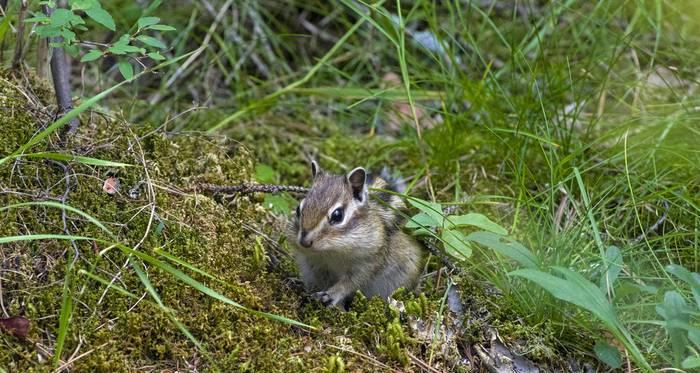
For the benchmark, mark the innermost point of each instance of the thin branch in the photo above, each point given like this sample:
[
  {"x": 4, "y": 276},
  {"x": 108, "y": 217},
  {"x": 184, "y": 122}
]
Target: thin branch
[
  {"x": 19, "y": 46},
  {"x": 247, "y": 188},
  {"x": 60, "y": 73}
]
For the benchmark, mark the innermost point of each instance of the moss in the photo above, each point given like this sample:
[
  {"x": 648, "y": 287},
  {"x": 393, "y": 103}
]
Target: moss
[{"x": 232, "y": 240}]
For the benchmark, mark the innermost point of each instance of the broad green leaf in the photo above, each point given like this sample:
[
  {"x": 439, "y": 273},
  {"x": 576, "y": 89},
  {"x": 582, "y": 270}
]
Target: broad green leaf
[
  {"x": 265, "y": 173},
  {"x": 421, "y": 220},
  {"x": 279, "y": 203},
  {"x": 153, "y": 42},
  {"x": 690, "y": 278},
  {"x": 674, "y": 309},
  {"x": 147, "y": 21},
  {"x": 613, "y": 265},
  {"x": 63, "y": 18},
  {"x": 161, "y": 28},
  {"x": 506, "y": 246},
  {"x": 83, "y": 4},
  {"x": 101, "y": 16},
  {"x": 433, "y": 209},
  {"x": 76, "y": 158},
  {"x": 91, "y": 55},
  {"x": 456, "y": 244},
  {"x": 574, "y": 289},
  {"x": 155, "y": 56},
  {"x": 125, "y": 69},
  {"x": 608, "y": 354},
  {"x": 39, "y": 18},
  {"x": 479, "y": 221},
  {"x": 691, "y": 362},
  {"x": 122, "y": 46}
]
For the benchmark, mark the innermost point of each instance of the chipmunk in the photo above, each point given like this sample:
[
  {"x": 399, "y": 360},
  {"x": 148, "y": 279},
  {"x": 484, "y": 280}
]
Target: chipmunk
[{"x": 345, "y": 241}]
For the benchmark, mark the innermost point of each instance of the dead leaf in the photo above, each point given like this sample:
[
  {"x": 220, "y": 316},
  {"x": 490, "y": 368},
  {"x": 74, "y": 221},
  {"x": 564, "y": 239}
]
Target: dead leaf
[
  {"x": 111, "y": 185},
  {"x": 17, "y": 326}
]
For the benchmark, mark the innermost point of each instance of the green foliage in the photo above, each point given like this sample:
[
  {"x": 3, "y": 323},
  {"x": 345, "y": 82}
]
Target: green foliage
[
  {"x": 135, "y": 44},
  {"x": 574, "y": 288},
  {"x": 608, "y": 354}
]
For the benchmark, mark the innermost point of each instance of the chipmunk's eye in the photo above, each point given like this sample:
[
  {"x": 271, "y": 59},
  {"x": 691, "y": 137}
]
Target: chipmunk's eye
[
  {"x": 336, "y": 216},
  {"x": 298, "y": 211}
]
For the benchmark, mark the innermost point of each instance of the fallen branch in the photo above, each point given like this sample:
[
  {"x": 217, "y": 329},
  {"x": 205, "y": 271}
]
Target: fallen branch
[{"x": 248, "y": 188}]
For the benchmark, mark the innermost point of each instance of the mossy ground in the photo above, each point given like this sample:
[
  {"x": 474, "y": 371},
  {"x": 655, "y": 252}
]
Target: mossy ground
[{"x": 154, "y": 209}]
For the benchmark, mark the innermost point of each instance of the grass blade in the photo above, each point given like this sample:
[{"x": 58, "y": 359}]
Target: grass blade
[
  {"x": 76, "y": 158},
  {"x": 62, "y": 206}
]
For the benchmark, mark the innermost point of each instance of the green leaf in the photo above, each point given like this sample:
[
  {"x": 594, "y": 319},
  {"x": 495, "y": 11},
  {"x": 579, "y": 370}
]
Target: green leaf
[
  {"x": 432, "y": 209},
  {"x": 608, "y": 354},
  {"x": 122, "y": 46},
  {"x": 76, "y": 111},
  {"x": 574, "y": 289},
  {"x": 613, "y": 264},
  {"x": 479, "y": 221},
  {"x": 101, "y": 16},
  {"x": 204, "y": 289},
  {"x": 125, "y": 69},
  {"x": 421, "y": 220},
  {"x": 456, "y": 244},
  {"x": 690, "y": 278},
  {"x": 39, "y": 237},
  {"x": 63, "y": 18},
  {"x": 265, "y": 173},
  {"x": 280, "y": 203},
  {"x": 39, "y": 18},
  {"x": 91, "y": 55},
  {"x": 61, "y": 206},
  {"x": 83, "y": 4},
  {"x": 691, "y": 362},
  {"x": 674, "y": 308},
  {"x": 155, "y": 56},
  {"x": 153, "y": 42},
  {"x": 507, "y": 247},
  {"x": 76, "y": 158},
  {"x": 147, "y": 21},
  {"x": 64, "y": 315},
  {"x": 161, "y": 28}
]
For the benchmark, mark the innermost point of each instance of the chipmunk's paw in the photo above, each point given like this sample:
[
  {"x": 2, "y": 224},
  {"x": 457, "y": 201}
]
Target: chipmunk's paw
[
  {"x": 324, "y": 298},
  {"x": 328, "y": 299}
]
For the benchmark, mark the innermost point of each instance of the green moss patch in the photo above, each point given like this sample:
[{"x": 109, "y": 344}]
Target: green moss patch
[{"x": 231, "y": 240}]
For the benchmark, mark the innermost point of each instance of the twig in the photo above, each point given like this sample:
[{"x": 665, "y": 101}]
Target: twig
[
  {"x": 60, "y": 73},
  {"x": 19, "y": 46},
  {"x": 247, "y": 188},
  {"x": 656, "y": 225}
]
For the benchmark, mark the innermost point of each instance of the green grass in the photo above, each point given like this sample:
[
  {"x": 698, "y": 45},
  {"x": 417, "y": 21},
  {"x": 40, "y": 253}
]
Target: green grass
[{"x": 574, "y": 124}]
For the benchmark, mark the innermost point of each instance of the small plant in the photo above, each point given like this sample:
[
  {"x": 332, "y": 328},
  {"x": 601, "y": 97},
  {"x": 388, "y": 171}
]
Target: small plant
[
  {"x": 65, "y": 26},
  {"x": 449, "y": 230}
]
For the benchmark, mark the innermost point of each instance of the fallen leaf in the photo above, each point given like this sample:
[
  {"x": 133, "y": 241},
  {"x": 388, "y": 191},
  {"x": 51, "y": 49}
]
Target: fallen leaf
[
  {"x": 17, "y": 326},
  {"x": 111, "y": 185}
]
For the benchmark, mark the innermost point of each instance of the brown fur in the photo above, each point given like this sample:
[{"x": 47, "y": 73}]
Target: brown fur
[{"x": 367, "y": 251}]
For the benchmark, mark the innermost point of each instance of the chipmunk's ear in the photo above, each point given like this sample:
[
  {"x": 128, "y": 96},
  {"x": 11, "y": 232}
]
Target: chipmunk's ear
[
  {"x": 356, "y": 178},
  {"x": 315, "y": 169}
]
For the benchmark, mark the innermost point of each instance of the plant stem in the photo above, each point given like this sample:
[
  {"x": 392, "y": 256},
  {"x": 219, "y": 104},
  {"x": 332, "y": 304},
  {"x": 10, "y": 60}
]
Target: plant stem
[{"x": 60, "y": 74}]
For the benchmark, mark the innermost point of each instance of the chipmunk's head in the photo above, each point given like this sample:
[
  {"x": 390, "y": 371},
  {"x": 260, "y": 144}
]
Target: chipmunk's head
[{"x": 333, "y": 215}]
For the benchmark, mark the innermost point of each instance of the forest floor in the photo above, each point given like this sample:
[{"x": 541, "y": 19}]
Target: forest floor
[{"x": 572, "y": 125}]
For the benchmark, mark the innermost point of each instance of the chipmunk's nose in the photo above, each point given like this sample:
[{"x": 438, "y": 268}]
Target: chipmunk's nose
[{"x": 304, "y": 241}]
